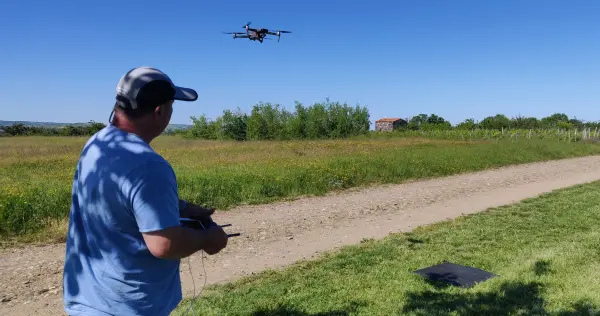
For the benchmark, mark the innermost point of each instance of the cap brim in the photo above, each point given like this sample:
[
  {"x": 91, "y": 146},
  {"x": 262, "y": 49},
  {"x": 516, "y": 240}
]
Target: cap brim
[{"x": 185, "y": 94}]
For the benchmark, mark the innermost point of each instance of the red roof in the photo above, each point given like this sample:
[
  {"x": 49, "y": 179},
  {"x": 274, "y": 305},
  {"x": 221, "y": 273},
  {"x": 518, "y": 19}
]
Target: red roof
[{"x": 388, "y": 120}]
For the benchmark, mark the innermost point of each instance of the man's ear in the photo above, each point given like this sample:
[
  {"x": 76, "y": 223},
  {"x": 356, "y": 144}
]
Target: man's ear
[{"x": 158, "y": 110}]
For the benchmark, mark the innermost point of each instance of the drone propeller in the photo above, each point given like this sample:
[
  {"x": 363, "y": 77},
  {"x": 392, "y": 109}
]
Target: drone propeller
[
  {"x": 237, "y": 34},
  {"x": 278, "y": 34}
]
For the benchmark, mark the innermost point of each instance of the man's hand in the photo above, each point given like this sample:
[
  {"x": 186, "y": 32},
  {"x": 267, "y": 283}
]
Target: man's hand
[
  {"x": 214, "y": 234},
  {"x": 195, "y": 211},
  {"x": 216, "y": 240}
]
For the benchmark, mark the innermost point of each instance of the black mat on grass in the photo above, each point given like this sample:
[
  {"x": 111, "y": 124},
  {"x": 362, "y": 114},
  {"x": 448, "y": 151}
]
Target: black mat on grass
[{"x": 454, "y": 274}]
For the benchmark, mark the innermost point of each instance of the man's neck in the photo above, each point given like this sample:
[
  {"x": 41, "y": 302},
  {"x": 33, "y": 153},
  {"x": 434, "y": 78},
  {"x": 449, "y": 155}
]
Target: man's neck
[{"x": 130, "y": 127}]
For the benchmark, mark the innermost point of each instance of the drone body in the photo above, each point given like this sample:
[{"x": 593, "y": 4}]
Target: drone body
[{"x": 256, "y": 34}]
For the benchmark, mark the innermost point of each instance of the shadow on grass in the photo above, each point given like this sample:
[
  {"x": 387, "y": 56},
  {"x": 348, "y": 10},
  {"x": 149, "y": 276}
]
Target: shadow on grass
[
  {"x": 541, "y": 267},
  {"x": 281, "y": 310},
  {"x": 511, "y": 298},
  {"x": 579, "y": 309}
]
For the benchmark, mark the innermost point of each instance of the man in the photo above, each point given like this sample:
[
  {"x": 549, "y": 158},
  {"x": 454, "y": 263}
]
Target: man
[{"x": 125, "y": 240}]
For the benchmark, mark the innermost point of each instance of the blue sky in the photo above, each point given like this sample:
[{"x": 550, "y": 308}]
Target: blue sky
[{"x": 459, "y": 59}]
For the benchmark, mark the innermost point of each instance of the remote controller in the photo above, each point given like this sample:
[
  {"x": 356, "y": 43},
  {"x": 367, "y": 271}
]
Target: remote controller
[{"x": 203, "y": 223}]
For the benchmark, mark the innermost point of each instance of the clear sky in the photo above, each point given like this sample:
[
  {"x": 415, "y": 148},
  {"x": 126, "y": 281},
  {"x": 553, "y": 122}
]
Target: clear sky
[{"x": 61, "y": 60}]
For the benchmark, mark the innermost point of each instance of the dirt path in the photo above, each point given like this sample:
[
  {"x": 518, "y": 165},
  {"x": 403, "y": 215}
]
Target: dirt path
[{"x": 278, "y": 234}]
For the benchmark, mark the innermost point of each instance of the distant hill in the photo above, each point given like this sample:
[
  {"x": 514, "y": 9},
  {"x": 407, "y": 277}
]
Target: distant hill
[
  {"x": 39, "y": 124},
  {"x": 56, "y": 124}
]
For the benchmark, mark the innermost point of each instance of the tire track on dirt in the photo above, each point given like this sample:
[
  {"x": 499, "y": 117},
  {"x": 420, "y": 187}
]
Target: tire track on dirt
[{"x": 277, "y": 234}]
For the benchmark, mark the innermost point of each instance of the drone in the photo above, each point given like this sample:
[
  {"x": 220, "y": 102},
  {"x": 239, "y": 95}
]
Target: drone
[{"x": 256, "y": 34}]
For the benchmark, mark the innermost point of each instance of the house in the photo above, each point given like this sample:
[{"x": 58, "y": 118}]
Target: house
[
  {"x": 389, "y": 124},
  {"x": 1, "y": 132}
]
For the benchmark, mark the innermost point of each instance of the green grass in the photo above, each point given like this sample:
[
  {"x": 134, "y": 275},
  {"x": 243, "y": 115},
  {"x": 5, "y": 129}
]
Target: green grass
[
  {"x": 545, "y": 252},
  {"x": 556, "y": 134},
  {"x": 36, "y": 172}
]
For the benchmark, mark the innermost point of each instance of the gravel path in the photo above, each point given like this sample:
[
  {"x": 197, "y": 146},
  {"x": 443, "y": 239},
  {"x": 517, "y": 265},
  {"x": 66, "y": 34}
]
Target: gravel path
[{"x": 278, "y": 234}]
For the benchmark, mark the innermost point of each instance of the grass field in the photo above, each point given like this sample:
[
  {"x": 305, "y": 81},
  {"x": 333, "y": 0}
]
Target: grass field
[
  {"x": 36, "y": 172},
  {"x": 544, "y": 251}
]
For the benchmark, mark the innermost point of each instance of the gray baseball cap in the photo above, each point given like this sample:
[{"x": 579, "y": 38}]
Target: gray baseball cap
[{"x": 147, "y": 85}]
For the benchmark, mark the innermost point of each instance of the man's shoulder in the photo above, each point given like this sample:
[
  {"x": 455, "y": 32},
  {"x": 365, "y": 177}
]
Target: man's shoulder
[{"x": 122, "y": 152}]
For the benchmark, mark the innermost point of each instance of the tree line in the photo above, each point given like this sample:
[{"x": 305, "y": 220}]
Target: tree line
[
  {"x": 334, "y": 120},
  {"x": 324, "y": 120},
  {"x": 21, "y": 129},
  {"x": 502, "y": 122},
  {"x": 268, "y": 121},
  {"x": 496, "y": 122}
]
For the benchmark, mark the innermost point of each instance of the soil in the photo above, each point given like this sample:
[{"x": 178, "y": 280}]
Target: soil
[{"x": 278, "y": 234}]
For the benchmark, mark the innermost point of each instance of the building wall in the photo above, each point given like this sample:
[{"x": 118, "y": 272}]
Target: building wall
[
  {"x": 389, "y": 126},
  {"x": 384, "y": 126}
]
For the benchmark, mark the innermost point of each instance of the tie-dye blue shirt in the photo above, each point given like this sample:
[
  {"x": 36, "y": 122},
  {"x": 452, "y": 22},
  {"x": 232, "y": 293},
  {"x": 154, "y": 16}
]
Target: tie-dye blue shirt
[{"x": 121, "y": 189}]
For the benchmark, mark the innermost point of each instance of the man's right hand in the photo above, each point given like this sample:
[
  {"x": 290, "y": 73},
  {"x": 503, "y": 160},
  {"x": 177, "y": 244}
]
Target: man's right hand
[{"x": 215, "y": 239}]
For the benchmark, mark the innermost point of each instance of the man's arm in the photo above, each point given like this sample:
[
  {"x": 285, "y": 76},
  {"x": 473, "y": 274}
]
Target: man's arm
[
  {"x": 156, "y": 207},
  {"x": 180, "y": 242}
]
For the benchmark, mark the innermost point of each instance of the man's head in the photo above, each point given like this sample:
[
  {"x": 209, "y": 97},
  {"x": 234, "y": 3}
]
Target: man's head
[{"x": 144, "y": 101}]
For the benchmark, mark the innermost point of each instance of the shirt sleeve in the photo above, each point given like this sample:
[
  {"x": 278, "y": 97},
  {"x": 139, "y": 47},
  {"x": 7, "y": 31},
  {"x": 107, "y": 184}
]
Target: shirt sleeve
[{"x": 154, "y": 196}]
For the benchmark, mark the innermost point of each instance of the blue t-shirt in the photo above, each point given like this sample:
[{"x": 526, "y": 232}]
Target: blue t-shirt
[{"x": 121, "y": 188}]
